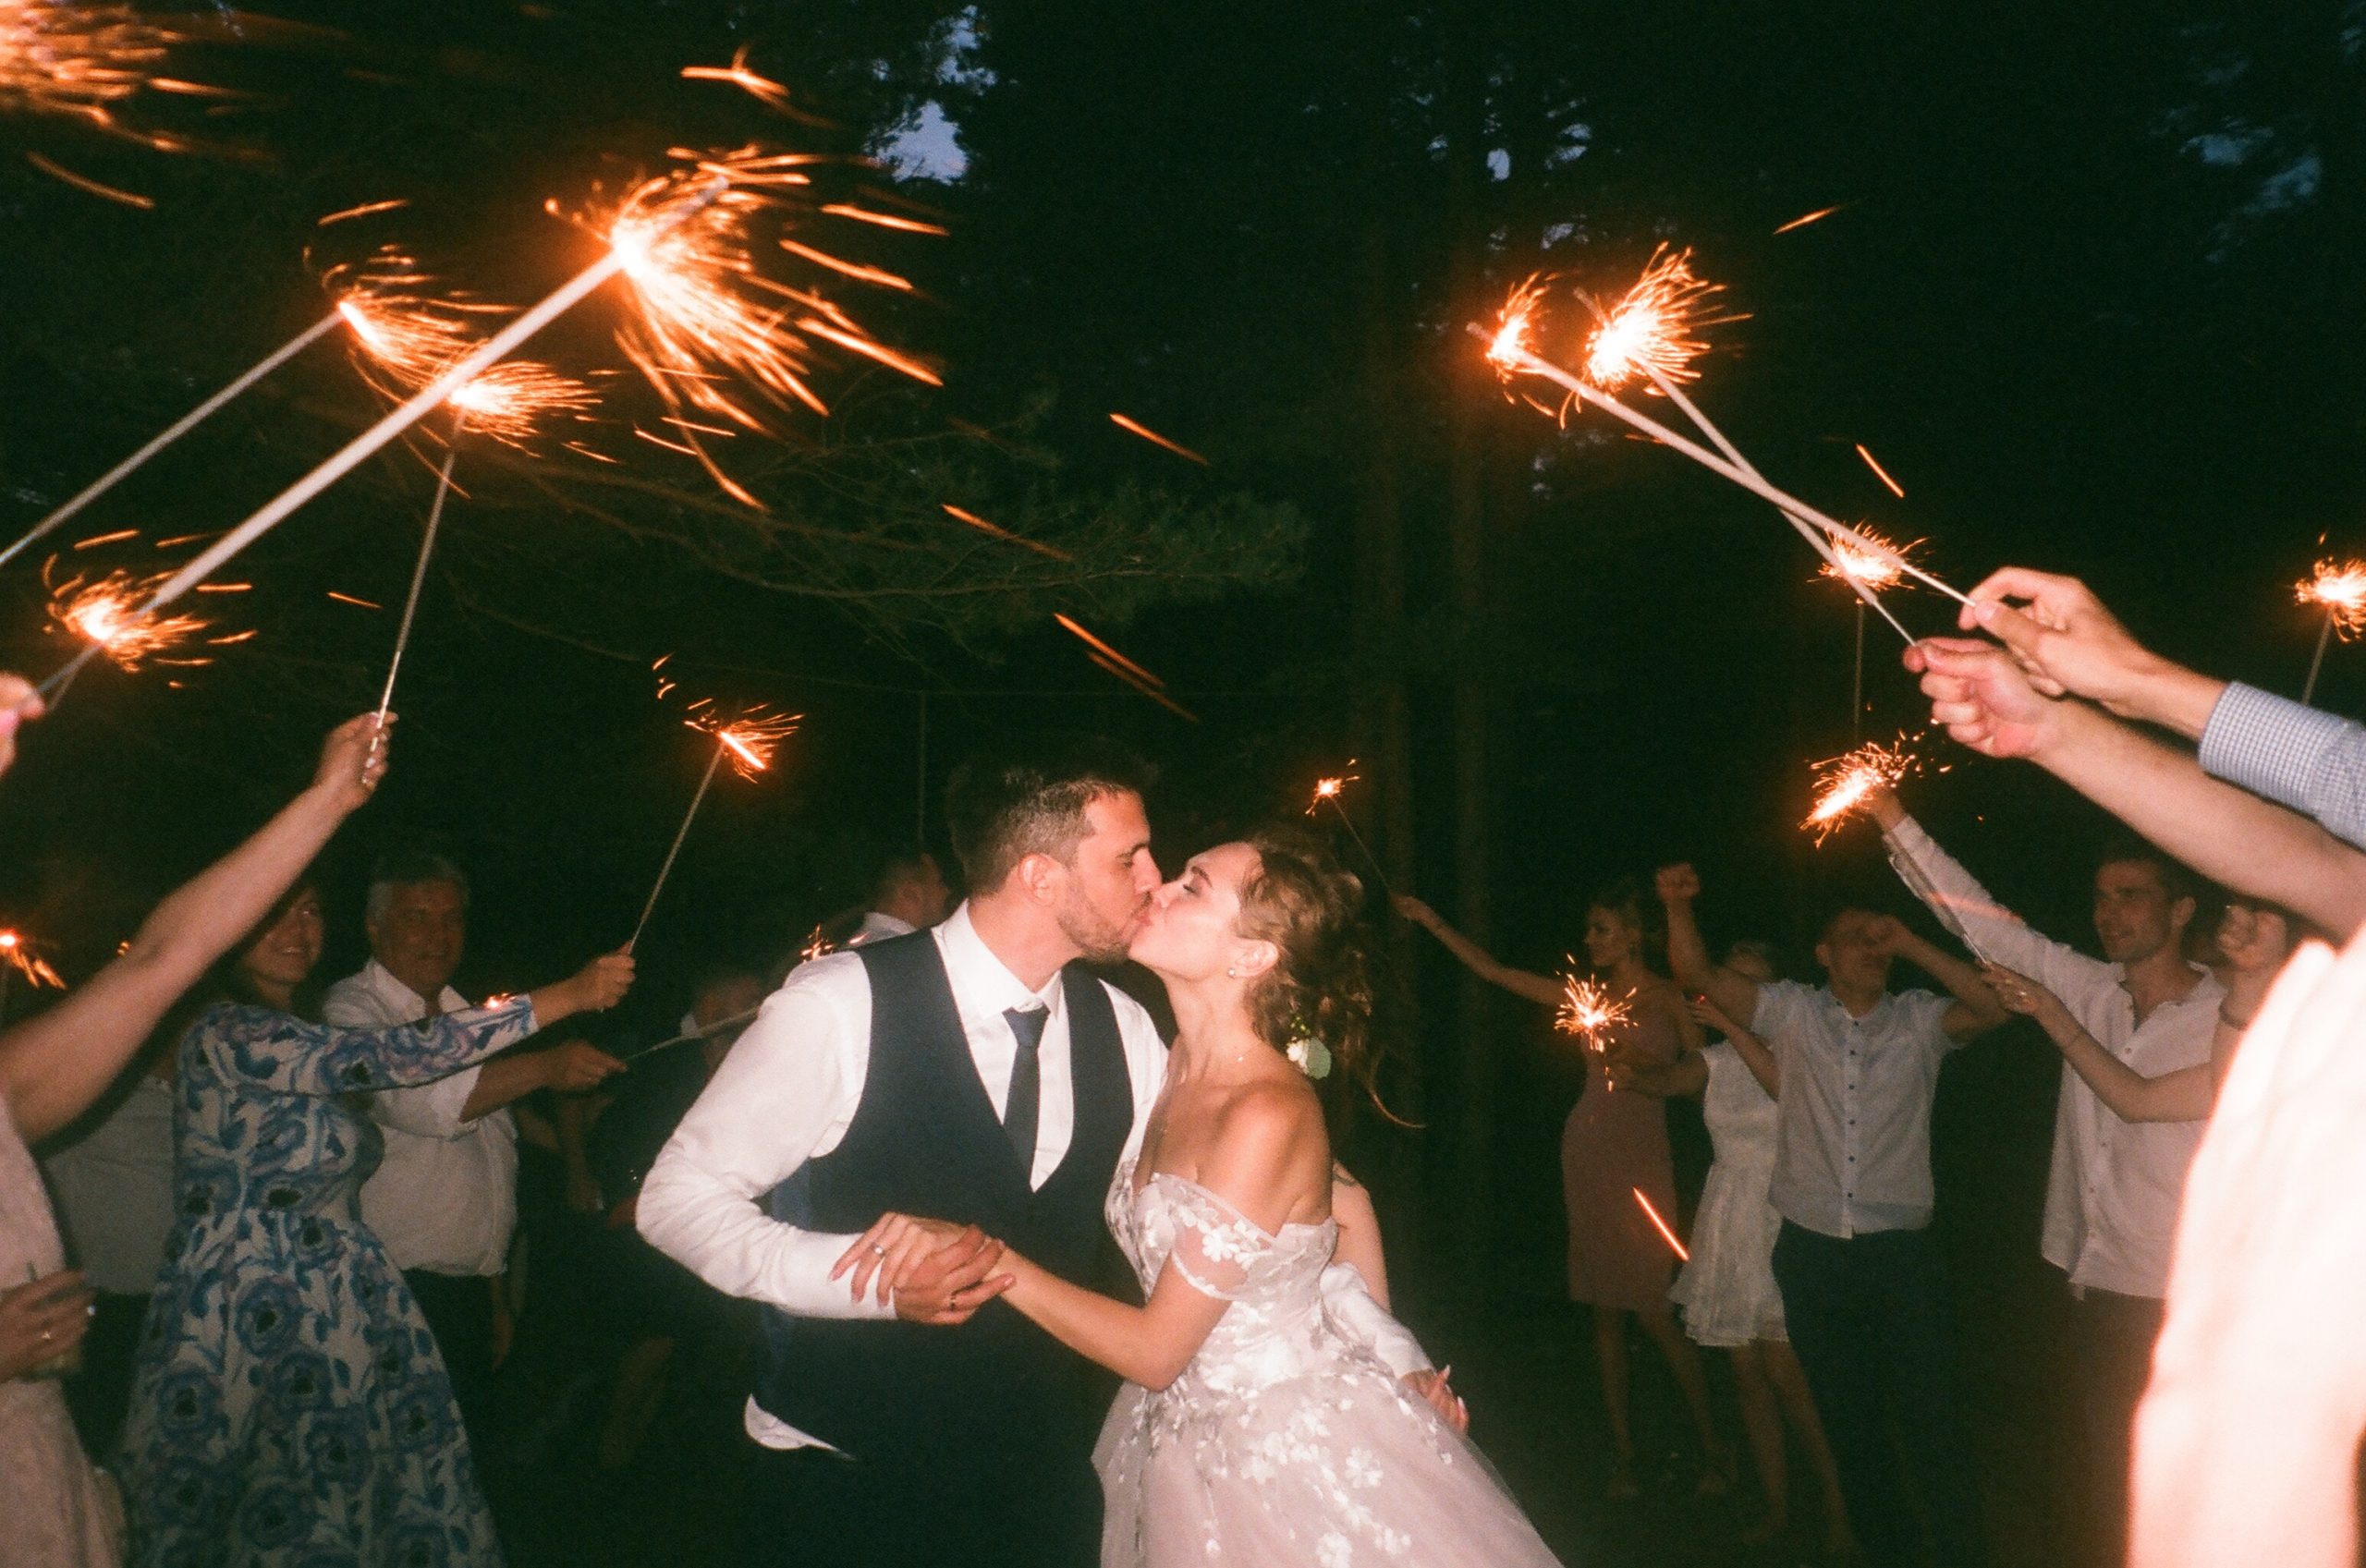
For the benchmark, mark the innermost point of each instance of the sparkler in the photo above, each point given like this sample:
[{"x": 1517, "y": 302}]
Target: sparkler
[
  {"x": 1653, "y": 329},
  {"x": 692, "y": 199},
  {"x": 1867, "y": 572},
  {"x": 1327, "y": 791},
  {"x": 1660, "y": 1225},
  {"x": 1844, "y": 784},
  {"x": 748, "y": 741},
  {"x": 2340, "y": 587},
  {"x": 697, "y": 1035},
  {"x": 104, "y": 614},
  {"x": 1588, "y": 1011},
  {"x": 712, "y": 332},
  {"x": 1511, "y": 354}
]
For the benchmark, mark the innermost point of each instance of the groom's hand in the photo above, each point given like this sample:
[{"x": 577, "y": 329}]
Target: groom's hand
[{"x": 949, "y": 1283}]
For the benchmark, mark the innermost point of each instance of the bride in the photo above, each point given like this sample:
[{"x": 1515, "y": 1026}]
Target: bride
[{"x": 1252, "y": 1431}]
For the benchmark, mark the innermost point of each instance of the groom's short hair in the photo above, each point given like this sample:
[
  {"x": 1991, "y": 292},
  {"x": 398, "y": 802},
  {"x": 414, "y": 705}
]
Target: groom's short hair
[{"x": 1029, "y": 799}]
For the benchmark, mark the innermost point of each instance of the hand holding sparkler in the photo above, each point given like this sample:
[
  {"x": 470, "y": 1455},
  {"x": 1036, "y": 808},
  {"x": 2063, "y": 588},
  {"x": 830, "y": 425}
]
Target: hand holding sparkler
[
  {"x": 353, "y": 761},
  {"x": 595, "y": 988},
  {"x": 19, "y": 705},
  {"x": 1857, "y": 782},
  {"x": 2071, "y": 645},
  {"x": 1981, "y": 696}
]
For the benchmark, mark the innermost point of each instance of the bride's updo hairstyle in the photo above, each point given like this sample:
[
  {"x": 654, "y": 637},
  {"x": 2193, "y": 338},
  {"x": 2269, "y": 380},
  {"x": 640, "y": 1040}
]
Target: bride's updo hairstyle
[{"x": 1302, "y": 901}]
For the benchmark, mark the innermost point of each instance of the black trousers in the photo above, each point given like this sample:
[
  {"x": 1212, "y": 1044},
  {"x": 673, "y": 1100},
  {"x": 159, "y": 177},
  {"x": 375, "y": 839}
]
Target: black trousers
[
  {"x": 997, "y": 1504},
  {"x": 458, "y": 1310},
  {"x": 1867, "y": 1317},
  {"x": 2112, "y": 1337}
]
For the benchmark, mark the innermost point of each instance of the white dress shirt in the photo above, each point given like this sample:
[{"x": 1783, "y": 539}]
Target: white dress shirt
[
  {"x": 789, "y": 1091},
  {"x": 113, "y": 1187},
  {"x": 1852, "y": 1149},
  {"x": 877, "y": 927},
  {"x": 445, "y": 1198},
  {"x": 2111, "y": 1197}
]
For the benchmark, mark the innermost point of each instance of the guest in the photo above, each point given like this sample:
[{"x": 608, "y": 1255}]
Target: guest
[
  {"x": 291, "y": 1403},
  {"x": 59, "y": 1509},
  {"x": 2111, "y": 1196},
  {"x": 113, "y": 1183},
  {"x": 908, "y": 894},
  {"x": 654, "y": 1303},
  {"x": 1728, "y": 1290},
  {"x": 1613, "y": 1147},
  {"x": 1855, "y": 1068},
  {"x": 444, "y": 1199},
  {"x": 2066, "y": 642}
]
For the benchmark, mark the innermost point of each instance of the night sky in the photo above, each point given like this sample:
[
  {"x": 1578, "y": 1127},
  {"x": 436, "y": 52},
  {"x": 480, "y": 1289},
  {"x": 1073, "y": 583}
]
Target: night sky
[{"x": 2090, "y": 296}]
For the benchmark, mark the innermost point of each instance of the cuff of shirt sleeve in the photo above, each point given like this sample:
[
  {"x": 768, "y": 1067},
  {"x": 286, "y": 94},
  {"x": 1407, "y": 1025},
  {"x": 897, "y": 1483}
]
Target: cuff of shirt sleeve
[{"x": 2267, "y": 744}]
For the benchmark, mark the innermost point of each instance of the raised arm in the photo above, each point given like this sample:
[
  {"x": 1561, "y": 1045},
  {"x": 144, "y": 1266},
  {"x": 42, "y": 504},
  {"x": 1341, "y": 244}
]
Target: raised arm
[
  {"x": 2251, "y": 845},
  {"x": 1735, "y": 993},
  {"x": 2183, "y": 1095},
  {"x": 1976, "y": 1009},
  {"x": 1543, "y": 989},
  {"x": 54, "y": 1066}
]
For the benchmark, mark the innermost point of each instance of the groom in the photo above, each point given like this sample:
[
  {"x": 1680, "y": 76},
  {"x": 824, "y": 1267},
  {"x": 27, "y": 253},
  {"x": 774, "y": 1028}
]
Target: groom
[{"x": 966, "y": 1072}]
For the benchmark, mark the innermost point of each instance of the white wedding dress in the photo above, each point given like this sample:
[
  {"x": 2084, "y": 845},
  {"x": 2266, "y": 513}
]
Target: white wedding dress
[{"x": 1284, "y": 1443}]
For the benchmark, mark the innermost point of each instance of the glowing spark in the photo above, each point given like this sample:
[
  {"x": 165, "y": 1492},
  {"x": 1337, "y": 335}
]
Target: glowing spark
[
  {"x": 84, "y": 183},
  {"x": 106, "y": 612},
  {"x": 350, "y": 599},
  {"x": 18, "y": 955},
  {"x": 1654, "y": 324},
  {"x": 1515, "y": 323},
  {"x": 883, "y": 220},
  {"x": 748, "y": 738},
  {"x": 225, "y": 588},
  {"x": 99, "y": 538},
  {"x": 984, "y": 527},
  {"x": 1329, "y": 789},
  {"x": 83, "y": 62},
  {"x": 1659, "y": 1225},
  {"x": 182, "y": 539},
  {"x": 1876, "y": 562},
  {"x": 848, "y": 268},
  {"x": 764, "y": 88},
  {"x": 1150, "y": 435},
  {"x": 713, "y": 333},
  {"x": 2340, "y": 587},
  {"x": 1110, "y": 654},
  {"x": 1588, "y": 1012},
  {"x": 1881, "y": 473},
  {"x": 366, "y": 209},
  {"x": 817, "y": 945},
  {"x": 1806, "y": 219},
  {"x": 1845, "y": 782}
]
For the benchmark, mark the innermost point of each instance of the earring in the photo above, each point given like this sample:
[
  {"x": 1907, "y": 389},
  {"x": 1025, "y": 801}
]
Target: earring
[{"x": 1232, "y": 974}]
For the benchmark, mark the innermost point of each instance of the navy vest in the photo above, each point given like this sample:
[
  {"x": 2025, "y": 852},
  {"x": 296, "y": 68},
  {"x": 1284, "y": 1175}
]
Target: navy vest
[{"x": 925, "y": 1140}]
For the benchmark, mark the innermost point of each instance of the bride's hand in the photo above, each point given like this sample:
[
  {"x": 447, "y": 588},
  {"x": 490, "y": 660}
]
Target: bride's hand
[
  {"x": 1431, "y": 1386},
  {"x": 892, "y": 1251}
]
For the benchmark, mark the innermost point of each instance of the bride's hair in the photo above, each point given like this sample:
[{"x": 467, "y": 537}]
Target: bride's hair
[{"x": 1302, "y": 901}]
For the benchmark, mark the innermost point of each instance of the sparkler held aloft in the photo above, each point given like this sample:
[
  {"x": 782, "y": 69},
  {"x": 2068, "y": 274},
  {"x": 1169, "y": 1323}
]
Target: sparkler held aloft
[
  {"x": 2340, "y": 588},
  {"x": 747, "y": 742}
]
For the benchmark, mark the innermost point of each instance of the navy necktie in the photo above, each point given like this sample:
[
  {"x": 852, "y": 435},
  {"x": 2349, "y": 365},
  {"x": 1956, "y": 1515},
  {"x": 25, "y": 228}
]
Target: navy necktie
[{"x": 1020, "y": 1109}]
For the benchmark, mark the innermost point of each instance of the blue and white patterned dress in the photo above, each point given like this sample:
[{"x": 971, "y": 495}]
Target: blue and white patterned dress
[{"x": 291, "y": 1408}]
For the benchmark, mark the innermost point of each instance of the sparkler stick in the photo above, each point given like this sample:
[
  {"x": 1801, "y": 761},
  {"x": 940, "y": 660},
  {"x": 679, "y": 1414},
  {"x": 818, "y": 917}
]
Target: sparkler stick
[
  {"x": 2341, "y": 589},
  {"x": 747, "y": 742},
  {"x": 707, "y": 1033},
  {"x": 177, "y": 430},
  {"x": 1524, "y": 359},
  {"x": 1329, "y": 789},
  {"x": 418, "y": 574},
  {"x": 705, "y": 781}
]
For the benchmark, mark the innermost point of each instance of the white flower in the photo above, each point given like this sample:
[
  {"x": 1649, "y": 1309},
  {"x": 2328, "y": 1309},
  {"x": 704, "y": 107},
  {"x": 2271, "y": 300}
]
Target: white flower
[
  {"x": 1361, "y": 1471},
  {"x": 1333, "y": 1551}
]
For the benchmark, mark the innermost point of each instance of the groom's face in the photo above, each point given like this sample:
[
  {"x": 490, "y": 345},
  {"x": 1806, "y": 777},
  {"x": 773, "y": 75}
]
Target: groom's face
[{"x": 1110, "y": 877}]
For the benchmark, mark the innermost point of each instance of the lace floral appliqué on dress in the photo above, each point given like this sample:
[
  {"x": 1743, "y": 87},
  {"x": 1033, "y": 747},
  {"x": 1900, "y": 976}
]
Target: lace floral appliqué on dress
[{"x": 1284, "y": 1441}]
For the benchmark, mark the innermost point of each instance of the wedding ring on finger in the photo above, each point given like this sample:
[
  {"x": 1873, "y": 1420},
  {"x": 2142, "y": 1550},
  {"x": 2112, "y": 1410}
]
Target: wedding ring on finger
[{"x": 877, "y": 1250}]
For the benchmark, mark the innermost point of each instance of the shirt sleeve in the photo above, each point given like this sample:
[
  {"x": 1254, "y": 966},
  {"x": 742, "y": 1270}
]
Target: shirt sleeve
[
  {"x": 1927, "y": 1020},
  {"x": 1991, "y": 930},
  {"x": 787, "y": 1085},
  {"x": 1777, "y": 1009},
  {"x": 259, "y": 1045},
  {"x": 2294, "y": 755},
  {"x": 429, "y": 1111}
]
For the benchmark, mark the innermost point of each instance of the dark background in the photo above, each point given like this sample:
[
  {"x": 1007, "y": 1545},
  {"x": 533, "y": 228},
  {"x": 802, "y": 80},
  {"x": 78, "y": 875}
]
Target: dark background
[{"x": 2090, "y": 296}]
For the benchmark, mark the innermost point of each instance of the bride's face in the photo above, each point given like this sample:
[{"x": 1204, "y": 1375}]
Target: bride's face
[{"x": 1191, "y": 930}]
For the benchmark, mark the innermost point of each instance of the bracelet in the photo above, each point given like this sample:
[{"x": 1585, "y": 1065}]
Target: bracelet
[{"x": 2237, "y": 1025}]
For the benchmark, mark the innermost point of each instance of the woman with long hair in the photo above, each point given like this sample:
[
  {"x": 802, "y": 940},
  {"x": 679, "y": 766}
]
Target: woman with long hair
[
  {"x": 291, "y": 1405},
  {"x": 1614, "y": 1159},
  {"x": 1253, "y": 1430}
]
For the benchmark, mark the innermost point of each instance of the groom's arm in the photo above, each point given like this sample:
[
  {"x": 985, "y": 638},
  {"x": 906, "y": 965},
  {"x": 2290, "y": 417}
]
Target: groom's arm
[{"x": 784, "y": 1095}]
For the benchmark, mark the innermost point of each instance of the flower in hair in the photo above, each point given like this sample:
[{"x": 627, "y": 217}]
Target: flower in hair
[{"x": 1307, "y": 1053}]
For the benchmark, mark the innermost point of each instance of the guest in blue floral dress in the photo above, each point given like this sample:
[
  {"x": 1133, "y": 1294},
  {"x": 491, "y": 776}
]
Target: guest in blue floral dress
[{"x": 291, "y": 1406}]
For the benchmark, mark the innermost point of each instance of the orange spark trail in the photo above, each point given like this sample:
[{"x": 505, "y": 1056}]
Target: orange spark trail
[
  {"x": 1880, "y": 473},
  {"x": 350, "y": 599},
  {"x": 85, "y": 183},
  {"x": 1152, "y": 436},
  {"x": 365, "y": 210},
  {"x": 1108, "y": 653},
  {"x": 1802, "y": 221},
  {"x": 984, "y": 527},
  {"x": 1659, "y": 1225}
]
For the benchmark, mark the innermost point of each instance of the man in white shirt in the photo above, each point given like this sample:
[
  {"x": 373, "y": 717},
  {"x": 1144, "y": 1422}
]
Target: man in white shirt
[
  {"x": 907, "y": 895},
  {"x": 970, "y": 1072},
  {"x": 2111, "y": 1197},
  {"x": 444, "y": 1199},
  {"x": 1855, "y": 1069}
]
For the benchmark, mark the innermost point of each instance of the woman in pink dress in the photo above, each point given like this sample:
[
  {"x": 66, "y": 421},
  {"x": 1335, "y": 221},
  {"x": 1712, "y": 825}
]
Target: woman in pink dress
[{"x": 1614, "y": 1158}]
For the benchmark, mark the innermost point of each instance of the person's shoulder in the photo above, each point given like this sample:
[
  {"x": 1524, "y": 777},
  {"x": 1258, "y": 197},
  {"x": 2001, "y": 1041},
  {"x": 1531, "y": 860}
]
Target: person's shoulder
[{"x": 1269, "y": 1115}]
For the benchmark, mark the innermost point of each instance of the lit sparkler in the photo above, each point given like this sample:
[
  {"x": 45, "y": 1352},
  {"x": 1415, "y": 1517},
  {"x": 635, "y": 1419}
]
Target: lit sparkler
[
  {"x": 1329, "y": 791},
  {"x": 1655, "y": 326},
  {"x": 713, "y": 333},
  {"x": 106, "y": 613},
  {"x": 1666, "y": 1234},
  {"x": 1588, "y": 1012},
  {"x": 2340, "y": 588},
  {"x": 1844, "y": 784},
  {"x": 748, "y": 738},
  {"x": 1866, "y": 571},
  {"x": 17, "y": 953}
]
